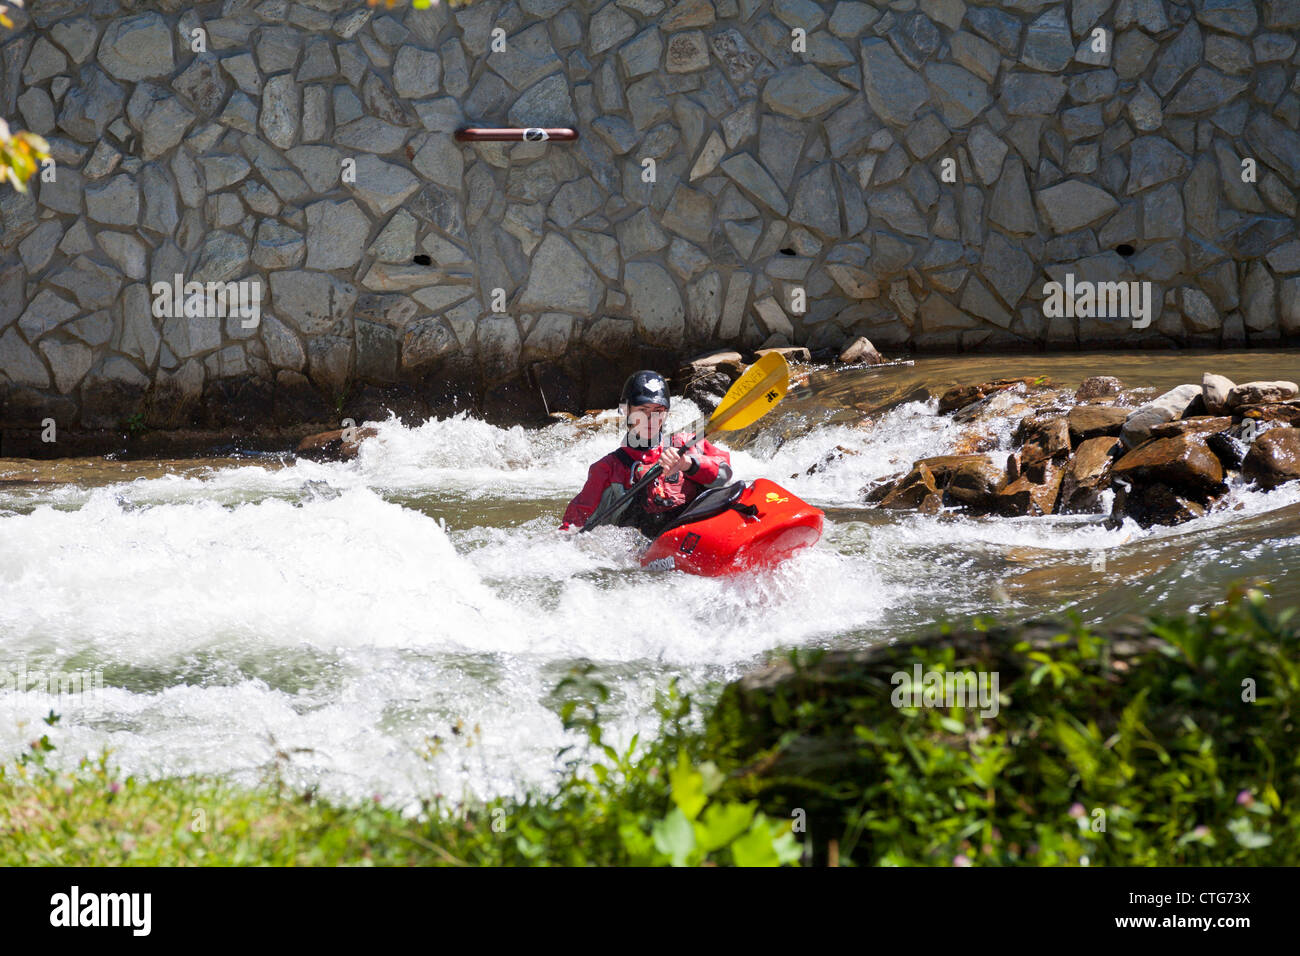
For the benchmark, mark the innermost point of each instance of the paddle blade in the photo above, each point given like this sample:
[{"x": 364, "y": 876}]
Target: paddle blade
[{"x": 753, "y": 395}]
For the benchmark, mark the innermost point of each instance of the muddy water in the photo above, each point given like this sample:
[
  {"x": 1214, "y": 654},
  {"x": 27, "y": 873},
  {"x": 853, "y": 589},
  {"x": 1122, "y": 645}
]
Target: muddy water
[{"x": 357, "y": 612}]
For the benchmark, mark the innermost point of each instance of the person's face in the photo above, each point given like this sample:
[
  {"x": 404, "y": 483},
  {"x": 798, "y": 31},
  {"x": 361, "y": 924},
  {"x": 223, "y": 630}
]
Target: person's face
[{"x": 644, "y": 423}]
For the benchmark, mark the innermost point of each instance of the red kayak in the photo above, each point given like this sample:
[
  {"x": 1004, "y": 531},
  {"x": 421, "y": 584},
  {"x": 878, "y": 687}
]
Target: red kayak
[{"x": 745, "y": 526}]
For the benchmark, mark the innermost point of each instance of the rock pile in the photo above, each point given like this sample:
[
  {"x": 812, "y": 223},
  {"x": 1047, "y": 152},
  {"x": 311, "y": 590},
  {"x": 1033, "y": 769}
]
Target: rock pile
[{"x": 1166, "y": 460}]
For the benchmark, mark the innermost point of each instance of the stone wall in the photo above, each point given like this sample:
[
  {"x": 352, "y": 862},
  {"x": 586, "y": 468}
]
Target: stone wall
[{"x": 1100, "y": 138}]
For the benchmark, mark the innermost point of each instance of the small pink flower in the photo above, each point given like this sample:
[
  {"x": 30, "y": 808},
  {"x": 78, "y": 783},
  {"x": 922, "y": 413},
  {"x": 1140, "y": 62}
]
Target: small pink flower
[
  {"x": 1245, "y": 798},
  {"x": 1077, "y": 810},
  {"x": 114, "y": 787},
  {"x": 1201, "y": 831},
  {"x": 375, "y": 797},
  {"x": 961, "y": 859}
]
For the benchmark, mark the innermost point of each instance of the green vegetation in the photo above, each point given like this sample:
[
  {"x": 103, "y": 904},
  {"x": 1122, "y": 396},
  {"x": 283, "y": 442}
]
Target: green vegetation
[{"x": 1174, "y": 743}]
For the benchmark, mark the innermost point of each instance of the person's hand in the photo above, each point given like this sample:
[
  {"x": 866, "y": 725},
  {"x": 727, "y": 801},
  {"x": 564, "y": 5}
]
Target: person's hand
[{"x": 673, "y": 462}]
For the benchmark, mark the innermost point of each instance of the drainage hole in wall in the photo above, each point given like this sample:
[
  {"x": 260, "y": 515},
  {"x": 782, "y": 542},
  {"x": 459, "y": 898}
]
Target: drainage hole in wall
[
  {"x": 422, "y": 260},
  {"x": 1125, "y": 250},
  {"x": 787, "y": 251}
]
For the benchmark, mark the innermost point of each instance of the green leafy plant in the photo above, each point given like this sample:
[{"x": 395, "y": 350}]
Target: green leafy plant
[{"x": 135, "y": 425}]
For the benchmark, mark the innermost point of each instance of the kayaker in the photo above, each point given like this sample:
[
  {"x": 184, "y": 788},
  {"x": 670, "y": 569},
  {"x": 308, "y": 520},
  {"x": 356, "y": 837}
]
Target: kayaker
[{"x": 643, "y": 407}]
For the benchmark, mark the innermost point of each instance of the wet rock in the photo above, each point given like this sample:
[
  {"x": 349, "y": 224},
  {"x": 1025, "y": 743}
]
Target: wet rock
[
  {"x": 704, "y": 386},
  {"x": 1195, "y": 425},
  {"x": 1183, "y": 462},
  {"x": 1231, "y": 445},
  {"x": 1258, "y": 393},
  {"x": 1286, "y": 413},
  {"x": 1087, "y": 475},
  {"x": 1027, "y": 496},
  {"x": 1214, "y": 391},
  {"x": 1167, "y": 407},
  {"x": 908, "y": 493},
  {"x": 333, "y": 446},
  {"x": 1157, "y": 503},
  {"x": 968, "y": 480},
  {"x": 959, "y": 396},
  {"x": 1273, "y": 459},
  {"x": 860, "y": 351},
  {"x": 1043, "y": 439},
  {"x": 1098, "y": 386},
  {"x": 835, "y": 454},
  {"x": 874, "y": 491},
  {"x": 974, "y": 480},
  {"x": 1093, "y": 421}
]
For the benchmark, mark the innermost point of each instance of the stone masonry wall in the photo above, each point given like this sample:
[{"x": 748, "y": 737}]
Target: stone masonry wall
[{"x": 917, "y": 169}]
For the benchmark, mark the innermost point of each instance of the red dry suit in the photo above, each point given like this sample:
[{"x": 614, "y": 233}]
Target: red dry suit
[{"x": 610, "y": 478}]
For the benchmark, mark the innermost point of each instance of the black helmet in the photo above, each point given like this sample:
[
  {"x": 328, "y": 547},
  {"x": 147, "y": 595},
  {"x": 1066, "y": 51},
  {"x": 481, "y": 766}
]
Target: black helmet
[{"x": 644, "y": 388}]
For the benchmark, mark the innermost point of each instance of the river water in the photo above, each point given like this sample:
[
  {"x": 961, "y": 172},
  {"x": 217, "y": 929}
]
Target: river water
[{"x": 397, "y": 625}]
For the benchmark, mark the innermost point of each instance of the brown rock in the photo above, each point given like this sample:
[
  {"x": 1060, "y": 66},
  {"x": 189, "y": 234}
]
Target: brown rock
[
  {"x": 1024, "y": 496},
  {"x": 1157, "y": 503},
  {"x": 970, "y": 480},
  {"x": 1260, "y": 393},
  {"x": 1093, "y": 421},
  {"x": 1010, "y": 403},
  {"x": 330, "y": 446},
  {"x": 975, "y": 482},
  {"x": 1184, "y": 462},
  {"x": 959, "y": 396},
  {"x": 943, "y": 467},
  {"x": 1043, "y": 438},
  {"x": 1274, "y": 459},
  {"x": 974, "y": 442},
  {"x": 1087, "y": 475},
  {"x": 861, "y": 352},
  {"x": 918, "y": 484},
  {"x": 1098, "y": 386},
  {"x": 1199, "y": 425},
  {"x": 1230, "y": 447},
  {"x": 874, "y": 491},
  {"x": 1287, "y": 413},
  {"x": 918, "y": 394}
]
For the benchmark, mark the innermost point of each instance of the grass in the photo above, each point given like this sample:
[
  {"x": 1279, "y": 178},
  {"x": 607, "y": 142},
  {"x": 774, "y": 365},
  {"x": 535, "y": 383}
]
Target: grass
[{"x": 1173, "y": 743}]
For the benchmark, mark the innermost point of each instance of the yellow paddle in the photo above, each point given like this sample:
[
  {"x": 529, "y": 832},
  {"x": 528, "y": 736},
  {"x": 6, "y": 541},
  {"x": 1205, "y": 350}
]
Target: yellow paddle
[{"x": 751, "y": 397}]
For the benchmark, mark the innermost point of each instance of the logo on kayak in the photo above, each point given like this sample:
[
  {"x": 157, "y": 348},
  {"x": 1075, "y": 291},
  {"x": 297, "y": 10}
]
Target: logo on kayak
[
  {"x": 689, "y": 543},
  {"x": 661, "y": 564},
  {"x": 774, "y": 499},
  {"x": 772, "y": 396}
]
